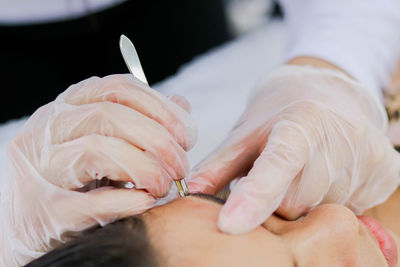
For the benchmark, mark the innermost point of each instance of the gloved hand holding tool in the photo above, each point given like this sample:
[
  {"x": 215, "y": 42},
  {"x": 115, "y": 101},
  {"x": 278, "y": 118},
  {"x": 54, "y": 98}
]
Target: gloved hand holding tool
[{"x": 115, "y": 127}]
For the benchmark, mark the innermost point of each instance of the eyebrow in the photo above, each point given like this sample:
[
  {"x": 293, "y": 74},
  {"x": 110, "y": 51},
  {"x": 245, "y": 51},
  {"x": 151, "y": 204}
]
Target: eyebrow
[{"x": 213, "y": 198}]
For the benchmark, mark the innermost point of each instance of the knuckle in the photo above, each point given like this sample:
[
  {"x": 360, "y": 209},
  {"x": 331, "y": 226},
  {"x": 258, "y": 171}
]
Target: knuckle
[
  {"x": 121, "y": 82},
  {"x": 92, "y": 79},
  {"x": 103, "y": 109},
  {"x": 71, "y": 93}
]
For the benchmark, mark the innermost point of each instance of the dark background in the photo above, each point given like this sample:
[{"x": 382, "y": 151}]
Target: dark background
[{"x": 40, "y": 61}]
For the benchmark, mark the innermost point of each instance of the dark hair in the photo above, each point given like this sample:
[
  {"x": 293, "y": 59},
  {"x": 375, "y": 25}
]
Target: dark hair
[{"x": 122, "y": 243}]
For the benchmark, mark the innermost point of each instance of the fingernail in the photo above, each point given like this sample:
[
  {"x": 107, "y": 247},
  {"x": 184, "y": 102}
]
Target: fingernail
[
  {"x": 194, "y": 183},
  {"x": 200, "y": 185},
  {"x": 194, "y": 187}
]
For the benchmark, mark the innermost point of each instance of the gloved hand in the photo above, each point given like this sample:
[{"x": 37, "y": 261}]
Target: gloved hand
[
  {"x": 114, "y": 127},
  {"x": 308, "y": 136}
]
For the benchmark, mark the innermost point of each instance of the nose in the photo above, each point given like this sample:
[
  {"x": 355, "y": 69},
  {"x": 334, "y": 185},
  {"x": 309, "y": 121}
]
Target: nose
[
  {"x": 338, "y": 219},
  {"x": 335, "y": 217},
  {"x": 330, "y": 228}
]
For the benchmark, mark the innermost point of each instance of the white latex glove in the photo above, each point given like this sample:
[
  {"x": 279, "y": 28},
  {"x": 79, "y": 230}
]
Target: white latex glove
[
  {"x": 308, "y": 136},
  {"x": 114, "y": 127}
]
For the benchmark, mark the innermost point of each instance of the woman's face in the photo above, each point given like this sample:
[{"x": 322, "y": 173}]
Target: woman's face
[{"x": 185, "y": 233}]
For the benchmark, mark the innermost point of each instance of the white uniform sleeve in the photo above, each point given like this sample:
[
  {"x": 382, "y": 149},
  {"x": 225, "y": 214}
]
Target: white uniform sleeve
[{"x": 360, "y": 36}]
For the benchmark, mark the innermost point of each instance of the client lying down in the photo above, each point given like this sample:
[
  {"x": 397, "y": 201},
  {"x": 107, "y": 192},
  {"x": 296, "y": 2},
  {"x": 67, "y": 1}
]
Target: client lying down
[
  {"x": 184, "y": 233},
  {"x": 119, "y": 128}
]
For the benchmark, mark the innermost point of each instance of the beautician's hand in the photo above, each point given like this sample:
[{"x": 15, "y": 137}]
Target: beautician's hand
[
  {"x": 114, "y": 127},
  {"x": 308, "y": 136}
]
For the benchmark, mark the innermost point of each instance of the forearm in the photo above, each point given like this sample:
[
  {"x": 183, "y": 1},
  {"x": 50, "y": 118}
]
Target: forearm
[
  {"x": 359, "y": 36},
  {"x": 315, "y": 62}
]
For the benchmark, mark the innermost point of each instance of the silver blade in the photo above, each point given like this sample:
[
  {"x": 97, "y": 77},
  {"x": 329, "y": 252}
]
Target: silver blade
[{"x": 131, "y": 58}]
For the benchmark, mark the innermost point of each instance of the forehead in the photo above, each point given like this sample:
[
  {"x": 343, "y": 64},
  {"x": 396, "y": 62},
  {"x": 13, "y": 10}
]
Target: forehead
[
  {"x": 185, "y": 230},
  {"x": 186, "y": 211}
]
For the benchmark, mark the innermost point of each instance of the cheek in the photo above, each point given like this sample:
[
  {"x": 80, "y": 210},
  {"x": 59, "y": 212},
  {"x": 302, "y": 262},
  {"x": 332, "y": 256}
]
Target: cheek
[
  {"x": 326, "y": 254},
  {"x": 325, "y": 244},
  {"x": 328, "y": 246},
  {"x": 370, "y": 251},
  {"x": 256, "y": 249}
]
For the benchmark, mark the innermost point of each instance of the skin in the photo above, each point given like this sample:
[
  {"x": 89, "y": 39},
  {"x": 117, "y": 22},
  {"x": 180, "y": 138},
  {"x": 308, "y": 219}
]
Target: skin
[
  {"x": 388, "y": 213},
  {"x": 315, "y": 62},
  {"x": 185, "y": 233},
  {"x": 396, "y": 76},
  {"x": 392, "y": 103}
]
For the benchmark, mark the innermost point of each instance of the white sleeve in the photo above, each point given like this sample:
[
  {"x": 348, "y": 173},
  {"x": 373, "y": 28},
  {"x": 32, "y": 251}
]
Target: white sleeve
[{"x": 360, "y": 36}]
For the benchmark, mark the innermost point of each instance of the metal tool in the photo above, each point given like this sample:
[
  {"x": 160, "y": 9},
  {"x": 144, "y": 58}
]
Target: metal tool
[{"x": 132, "y": 61}]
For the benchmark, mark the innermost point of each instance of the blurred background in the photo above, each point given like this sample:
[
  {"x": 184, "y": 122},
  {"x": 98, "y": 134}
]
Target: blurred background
[{"x": 47, "y": 45}]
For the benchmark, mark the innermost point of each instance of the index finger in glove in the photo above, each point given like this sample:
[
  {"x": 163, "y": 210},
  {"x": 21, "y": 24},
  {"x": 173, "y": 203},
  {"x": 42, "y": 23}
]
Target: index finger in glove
[
  {"x": 126, "y": 90},
  {"x": 257, "y": 196},
  {"x": 111, "y": 119},
  {"x": 228, "y": 162}
]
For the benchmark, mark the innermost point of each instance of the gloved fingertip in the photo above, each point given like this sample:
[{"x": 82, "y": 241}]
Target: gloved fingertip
[
  {"x": 195, "y": 187},
  {"x": 234, "y": 222},
  {"x": 172, "y": 195},
  {"x": 131, "y": 199},
  {"x": 186, "y": 134},
  {"x": 200, "y": 185},
  {"x": 292, "y": 213},
  {"x": 240, "y": 214},
  {"x": 191, "y": 137}
]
